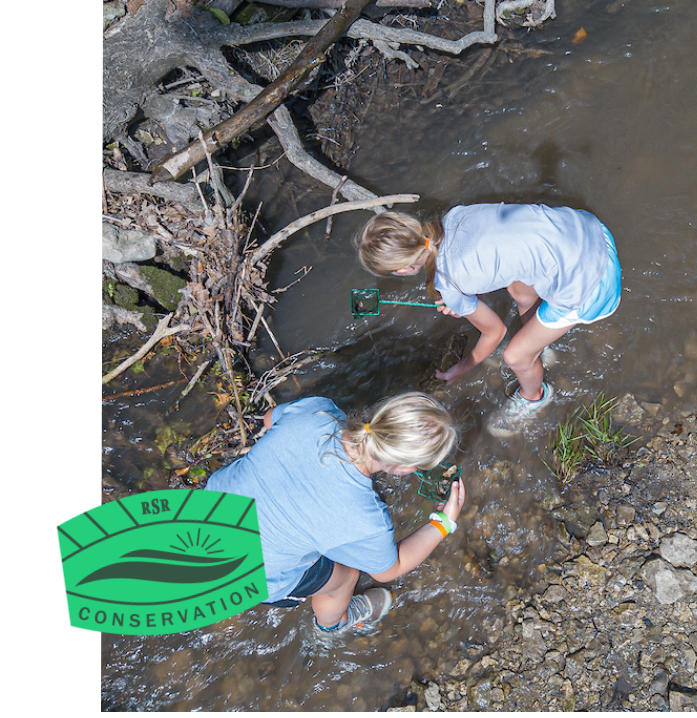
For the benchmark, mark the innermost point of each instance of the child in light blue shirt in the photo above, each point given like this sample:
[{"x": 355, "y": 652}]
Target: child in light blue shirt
[{"x": 320, "y": 520}]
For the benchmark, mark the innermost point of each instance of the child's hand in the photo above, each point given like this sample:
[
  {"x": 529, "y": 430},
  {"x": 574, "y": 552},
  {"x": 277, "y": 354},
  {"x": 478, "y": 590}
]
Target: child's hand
[
  {"x": 440, "y": 307},
  {"x": 454, "y": 504}
]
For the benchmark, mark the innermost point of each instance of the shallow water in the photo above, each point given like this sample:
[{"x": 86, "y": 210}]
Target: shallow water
[{"x": 608, "y": 125}]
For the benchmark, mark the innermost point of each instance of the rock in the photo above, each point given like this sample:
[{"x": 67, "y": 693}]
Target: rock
[
  {"x": 597, "y": 535},
  {"x": 659, "y": 684},
  {"x": 534, "y": 647},
  {"x": 126, "y": 245},
  {"x": 479, "y": 694},
  {"x": 554, "y": 594},
  {"x": 682, "y": 700},
  {"x": 624, "y": 514},
  {"x": 112, "y": 12},
  {"x": 586, "y": 570},
  {"x": 679, "y": 550},
  {"x": 681, "y": 388},
  {"x": 669, "y": 584},
  {"x": 651, "y": 408},
  {"x": 568, "y": 702},
  {"x": 577, "y": 518},
  {"x": 628, "y": 411},
  {"x": 432, "y": 697}
]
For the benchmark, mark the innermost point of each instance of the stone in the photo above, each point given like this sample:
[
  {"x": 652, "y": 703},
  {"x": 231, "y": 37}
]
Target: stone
[
  {"x": 112, "y": 12},
  {"x": 555, "y": 594},
  {"x": 628, "y": 411},
  {"x": 651, "y": 408},
  {"x": 624, "y": 514},
  {"x": 432, "y": 697},
  {"x": 126, "y": 245},
  {"x": 682, "y": 701},
  {"x": 679, "y": 550},
  {"x": 669, "y": 584},
  {"x": 659, "y": 684},
  {"x": 597, "y": 535}
]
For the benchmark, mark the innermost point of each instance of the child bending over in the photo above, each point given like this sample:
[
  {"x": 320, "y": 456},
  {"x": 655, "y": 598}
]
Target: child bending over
[
  {"x": 321, "y": 523},
  {"x": 559, "y": 264}
]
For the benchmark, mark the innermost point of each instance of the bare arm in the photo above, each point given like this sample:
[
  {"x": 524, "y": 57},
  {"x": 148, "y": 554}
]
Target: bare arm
[
  {"x": 268, "y": 422},
  {"x": 492, "y": 329},
  {"x": 413, "y": 549}
]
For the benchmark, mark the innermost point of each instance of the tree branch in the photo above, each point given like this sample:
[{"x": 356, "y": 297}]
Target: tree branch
[
  {"x": 267, "y": 101},
  {"x": 321, "y": 214}
]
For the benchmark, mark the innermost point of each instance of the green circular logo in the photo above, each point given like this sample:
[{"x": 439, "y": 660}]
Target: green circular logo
[{"x": 162, "y": 562}]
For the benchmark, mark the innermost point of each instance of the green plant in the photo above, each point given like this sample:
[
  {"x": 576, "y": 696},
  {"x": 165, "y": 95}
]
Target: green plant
[
  {"x": 568, "y": 450},
  {"x": 603, "y": 442}
]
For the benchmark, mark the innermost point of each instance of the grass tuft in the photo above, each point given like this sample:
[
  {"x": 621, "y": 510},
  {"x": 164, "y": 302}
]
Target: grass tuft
[{"x": 587, "y": 435}]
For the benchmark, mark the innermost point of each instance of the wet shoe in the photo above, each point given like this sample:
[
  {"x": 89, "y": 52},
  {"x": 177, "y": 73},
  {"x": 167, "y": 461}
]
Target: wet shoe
[
  {"x": 363, "y": 610},
  {"x": 510, "y": 419}
]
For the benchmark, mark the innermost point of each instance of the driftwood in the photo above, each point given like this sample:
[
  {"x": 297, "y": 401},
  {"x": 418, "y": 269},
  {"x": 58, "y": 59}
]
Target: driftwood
[
  {"x": 163, "y": 330},
  {"x": 267, "y": 101},
  {"x": 137, "y": 183},
  {"x": 321, "y": 214},
  {"x": 164, "y": 40}
]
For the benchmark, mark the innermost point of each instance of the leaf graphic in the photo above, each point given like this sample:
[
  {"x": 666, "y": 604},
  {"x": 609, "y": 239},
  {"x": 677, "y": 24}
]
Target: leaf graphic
[{"x": 164, "y": 572}]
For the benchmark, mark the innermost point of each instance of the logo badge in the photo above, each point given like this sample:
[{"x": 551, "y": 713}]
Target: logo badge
[{"x": 162, "y": 562}]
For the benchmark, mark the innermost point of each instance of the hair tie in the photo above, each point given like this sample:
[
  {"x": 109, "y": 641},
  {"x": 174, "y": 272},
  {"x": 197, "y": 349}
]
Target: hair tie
[
  {"x": 367, "y": 428},
  {"x": 428, "y": 243}
]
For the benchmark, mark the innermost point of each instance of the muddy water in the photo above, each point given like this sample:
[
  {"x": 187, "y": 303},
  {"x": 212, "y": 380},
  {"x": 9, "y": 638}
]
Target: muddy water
[{"x": 607, "y": 125}]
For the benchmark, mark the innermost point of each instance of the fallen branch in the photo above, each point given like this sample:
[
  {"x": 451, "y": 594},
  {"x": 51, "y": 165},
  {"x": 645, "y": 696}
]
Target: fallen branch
[
  {"x": 140, "y": 392},
  {"x": 321, "y": 214},
  {"x": 160, "y": 332},
  {"x": 311, "y": 56},
  {"x": 137, "y": 183}
]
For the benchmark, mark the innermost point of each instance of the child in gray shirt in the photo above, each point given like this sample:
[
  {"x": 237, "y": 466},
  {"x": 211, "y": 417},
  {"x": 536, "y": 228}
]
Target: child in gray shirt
[{"x": 559, "y": 264}]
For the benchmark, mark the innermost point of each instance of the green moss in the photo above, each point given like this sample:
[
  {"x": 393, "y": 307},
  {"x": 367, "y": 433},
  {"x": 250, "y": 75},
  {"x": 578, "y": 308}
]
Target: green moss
[
  {"x": 125, "y": 296},
  {"x": 165, "y": 286}
]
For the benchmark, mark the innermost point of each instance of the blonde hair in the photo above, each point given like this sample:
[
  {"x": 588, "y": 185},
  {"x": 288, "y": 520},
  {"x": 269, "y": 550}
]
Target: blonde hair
[
  {"x": 411, "y": 429},
  {"x": 395, "y": 240}
]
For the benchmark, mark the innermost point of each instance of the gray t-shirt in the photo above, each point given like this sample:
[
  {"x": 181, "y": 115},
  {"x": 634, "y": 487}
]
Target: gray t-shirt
[
  {"x": 309, "y": 503},
  {"x": 559, "y": 251}
]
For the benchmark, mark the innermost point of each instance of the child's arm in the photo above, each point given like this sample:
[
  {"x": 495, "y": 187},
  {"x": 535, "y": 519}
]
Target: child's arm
[
  {"x": 413, "y": 549},
  {"x": 492, "y": 329}
]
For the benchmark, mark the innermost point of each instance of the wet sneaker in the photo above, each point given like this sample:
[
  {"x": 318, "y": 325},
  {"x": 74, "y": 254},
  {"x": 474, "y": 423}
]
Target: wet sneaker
[
  {"x": 516, "y": 411},
  {"x": 365, "y": 609}
]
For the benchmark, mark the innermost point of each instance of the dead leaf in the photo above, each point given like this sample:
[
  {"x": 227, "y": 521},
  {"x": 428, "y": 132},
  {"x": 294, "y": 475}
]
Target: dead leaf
[{"x": 579, "y": 37}]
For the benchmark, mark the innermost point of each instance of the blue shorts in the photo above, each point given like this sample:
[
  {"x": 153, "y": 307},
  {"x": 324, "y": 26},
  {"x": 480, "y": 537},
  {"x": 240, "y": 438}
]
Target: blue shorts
[
  {"x": 602, "y": 303},
  {"x": 312, "y": 581}
]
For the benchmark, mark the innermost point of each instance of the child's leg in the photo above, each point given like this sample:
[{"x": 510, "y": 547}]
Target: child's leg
[
  {"x": 332, "y": 600},
  {"x": 526, "y": 298},
  {"x": 523, "y": 355}
]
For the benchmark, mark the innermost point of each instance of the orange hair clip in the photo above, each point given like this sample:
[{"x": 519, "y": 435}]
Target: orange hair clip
[
  {"x": 367, "y": 428},
  {"x": 428, "y": 243}
]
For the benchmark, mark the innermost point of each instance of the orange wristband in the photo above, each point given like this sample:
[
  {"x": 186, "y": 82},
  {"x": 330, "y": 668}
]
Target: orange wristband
[{"x": 440, "y": 527}]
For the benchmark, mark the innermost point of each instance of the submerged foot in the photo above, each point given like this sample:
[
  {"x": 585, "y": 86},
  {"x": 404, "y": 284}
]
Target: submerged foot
[{"x": 513, "y": 415}]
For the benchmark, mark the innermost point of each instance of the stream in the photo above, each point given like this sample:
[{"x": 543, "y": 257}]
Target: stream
[{"x": 606, "y": 125}]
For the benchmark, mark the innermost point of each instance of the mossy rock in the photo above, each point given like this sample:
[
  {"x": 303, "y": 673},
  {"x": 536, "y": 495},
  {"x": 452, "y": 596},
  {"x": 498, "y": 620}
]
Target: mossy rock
[
  {"x": 165, "y": 286},
  {"x": 125, "y": 296},
  {"x": 178, "y": 262}
]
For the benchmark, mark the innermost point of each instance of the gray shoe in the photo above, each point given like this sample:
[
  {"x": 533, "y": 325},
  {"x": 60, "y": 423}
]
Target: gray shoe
[
  {"x": 510, "y": 419},
  {"x": 363, "y": 610}
]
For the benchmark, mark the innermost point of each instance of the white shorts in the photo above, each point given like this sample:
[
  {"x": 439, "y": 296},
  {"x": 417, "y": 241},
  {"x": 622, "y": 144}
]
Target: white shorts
[{"x": 602, "y": 303}]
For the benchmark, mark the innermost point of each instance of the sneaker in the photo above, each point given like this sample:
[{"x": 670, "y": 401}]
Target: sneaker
[
  {"x": 510, "y": 418},
  {"x": 363, "y": 610}
]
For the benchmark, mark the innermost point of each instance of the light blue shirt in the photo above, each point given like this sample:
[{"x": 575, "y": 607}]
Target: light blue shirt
[
  {"x": 559, "y": 251},
  {"x": 308, "y": 501}
]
